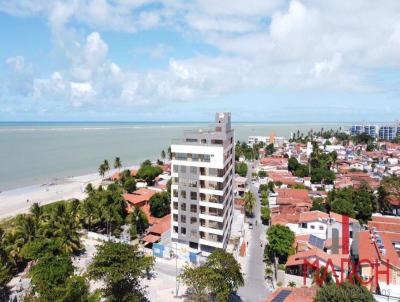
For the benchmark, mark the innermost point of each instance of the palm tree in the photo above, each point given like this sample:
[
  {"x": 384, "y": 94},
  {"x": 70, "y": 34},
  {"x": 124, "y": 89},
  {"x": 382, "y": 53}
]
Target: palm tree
[
  {"x": 249, "y": 203},
  {"x": 327, "y": 280},
  {"x": 163, "y": 154},
  {"x": 117, "y": 163},
  {"x": 102, "y": 170},
  {"x": 36, "y": 212},
  {"x": 89, "y": 189},
  {"x": 106, "y": 165},
  {"x": 66, "y": 229},
  {"x": 292, "y": 284},
  {"x": 88, "y": 211},
  {"x": 26, "y": 228}
]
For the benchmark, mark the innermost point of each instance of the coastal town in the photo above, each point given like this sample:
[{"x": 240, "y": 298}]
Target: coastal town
[{"x": 311, "y": 217}]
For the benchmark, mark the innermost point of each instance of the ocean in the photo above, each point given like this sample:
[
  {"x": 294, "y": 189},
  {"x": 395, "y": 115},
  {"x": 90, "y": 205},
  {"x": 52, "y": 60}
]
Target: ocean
[{"x": 35, "y": 152}]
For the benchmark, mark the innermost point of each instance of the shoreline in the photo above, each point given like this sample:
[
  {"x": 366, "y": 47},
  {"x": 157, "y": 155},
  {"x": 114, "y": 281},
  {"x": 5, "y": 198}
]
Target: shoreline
[{"x": 19, "y": 200}]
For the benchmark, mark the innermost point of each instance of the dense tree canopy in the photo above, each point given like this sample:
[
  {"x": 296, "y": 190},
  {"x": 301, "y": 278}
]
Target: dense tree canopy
[
  {"x": 219, "y": 277},
  {"x": 241, "y": 169},
  {"x": 345, "y": 292},
  {"x": 280, "y": 241},
  {"x": 358, "y": 203},
  {"x": 160, "y": 204},
  {"x": 148, "y": 172},
  {"x": 389, "y": 190},
  {"x": 121, "y": 267}
]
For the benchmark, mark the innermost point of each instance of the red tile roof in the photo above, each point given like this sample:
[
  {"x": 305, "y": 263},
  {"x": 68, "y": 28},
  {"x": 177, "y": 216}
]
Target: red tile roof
[
  {"x": 139, "y": 196},
  {"x": 162, "y": 226},
  {"x": 304, "y": 294}
]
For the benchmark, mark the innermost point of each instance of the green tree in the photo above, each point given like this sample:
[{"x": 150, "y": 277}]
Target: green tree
[
  {"x": 5, "y": 268},
  {"x": 343, "y": 206},
  {"x": 117, "y": 163},
  {"x": 139, "y": 219},
  {"x": 106, "y": 165},
  {"x": 262, "y": 174},
  {"x": 42, "y": 247},
  {"x": 345, "y": 292},
  {"x": 280, "y": 241},
  {"x": 270, "y": 149},
  {"x": 130, "y": 185},
  {"x": 220, "y": 276},
  {"x": 197, "y": 281},
  {"x": 264, "y": 199},
  {"x": 389, "y": 190},
  {"x": 226, "y": 277},
  {"x": 89, "y": 189},
  {"x": 293, "y": 164},
  {"x": 121, "y": 267},
  {"x": 265, "y": 214},
  {"x": 148, "y": 173},
  {"x": 249, "y": 203},
  {"x": 76, "y": 290},
  {"x": 66, "y": 229},
  {"x": 318, "y": 205},
  {"x": 160, "y": 204},
  {"x": 328, "y": 279},
  {"x": 49, "y": 275},
  {"x": 102, "y": 170},
  {"x": 241, "y": 169}
]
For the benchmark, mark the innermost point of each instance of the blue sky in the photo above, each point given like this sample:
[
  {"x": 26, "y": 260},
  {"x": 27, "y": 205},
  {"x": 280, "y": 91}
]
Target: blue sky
[{"x": 169, "y": 60}]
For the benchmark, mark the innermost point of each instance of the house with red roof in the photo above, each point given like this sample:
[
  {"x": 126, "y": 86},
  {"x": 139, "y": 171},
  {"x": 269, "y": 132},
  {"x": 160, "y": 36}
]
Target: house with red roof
[
  {"x": 381, "y": 244},
  {"x": 292, "y": 294}
]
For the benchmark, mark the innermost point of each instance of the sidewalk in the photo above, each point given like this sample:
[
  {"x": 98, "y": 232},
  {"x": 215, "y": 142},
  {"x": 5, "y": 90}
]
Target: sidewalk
[{"x": 162, "y": 287}]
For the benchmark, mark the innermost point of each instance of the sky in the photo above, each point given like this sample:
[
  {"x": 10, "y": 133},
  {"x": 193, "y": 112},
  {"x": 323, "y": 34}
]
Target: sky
[{"x": 175, "y": 60}]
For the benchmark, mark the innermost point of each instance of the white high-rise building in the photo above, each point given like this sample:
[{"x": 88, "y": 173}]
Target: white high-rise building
[{"x": 202, "y": 186}]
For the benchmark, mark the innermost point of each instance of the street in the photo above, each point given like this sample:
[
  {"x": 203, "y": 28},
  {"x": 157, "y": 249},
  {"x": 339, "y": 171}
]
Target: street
[{"x": 255, "y": 288}]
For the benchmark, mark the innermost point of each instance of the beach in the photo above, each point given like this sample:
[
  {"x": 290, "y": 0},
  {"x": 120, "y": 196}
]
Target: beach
[{"x": 17, "y": 201}]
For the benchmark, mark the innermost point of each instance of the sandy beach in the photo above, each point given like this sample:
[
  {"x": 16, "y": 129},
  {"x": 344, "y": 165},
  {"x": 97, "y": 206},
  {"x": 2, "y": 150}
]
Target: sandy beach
[{"x": 16, "y": 201}]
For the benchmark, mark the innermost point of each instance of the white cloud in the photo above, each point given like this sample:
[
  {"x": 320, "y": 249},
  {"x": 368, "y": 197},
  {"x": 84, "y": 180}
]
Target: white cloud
[
  {"x": 17, "y": 63},
  {"x": 261, "y": 45}
]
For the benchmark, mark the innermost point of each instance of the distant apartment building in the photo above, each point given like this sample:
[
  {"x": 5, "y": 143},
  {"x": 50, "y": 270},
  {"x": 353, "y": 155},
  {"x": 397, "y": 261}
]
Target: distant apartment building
[
  {"x": 387, "y": 132},
  {"x": 251, "y": 140},
  {"x": 202, "y": 186},
  {"x": 384, "y": 132},
  {"x": 278, "y": 141},
  {"x": 371, "y": 130}
]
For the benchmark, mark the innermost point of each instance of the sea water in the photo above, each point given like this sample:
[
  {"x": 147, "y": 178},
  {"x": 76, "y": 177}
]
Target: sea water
[{"x": 34, "y": 153}]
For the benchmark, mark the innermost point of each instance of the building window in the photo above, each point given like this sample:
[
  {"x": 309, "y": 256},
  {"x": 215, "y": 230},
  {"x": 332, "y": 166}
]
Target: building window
[
  {"x": 183, "y": 231},
  {"x": 193, "y": 208},
  {"x": 304, "y": 225},
  {"x": 193, "y": 195},
  {"x": 321, "y": 227},
  {"x": 175, "y": 193},
  {"x": 183, "y": 218},
  {"x": 183, "y": 194},
  {"x": 180, "y": 156},
  {"x": 183, "y": 206},
  {"x": 175, "y": 218},
  {"x": 193, "y": 170},
  {"x": 175, "y": 205},
  {"x": 175, "y": 229},
  {"x": 193, "y": 220},
  {"x": 312, "y": 227},
  {"x": 183, "y": 169},
  {"x": 175, "y": 169}
]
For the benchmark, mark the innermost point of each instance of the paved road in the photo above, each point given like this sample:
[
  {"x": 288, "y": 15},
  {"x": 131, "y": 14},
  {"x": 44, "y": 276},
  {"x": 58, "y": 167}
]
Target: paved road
[{"x": 255, "y": 288}]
